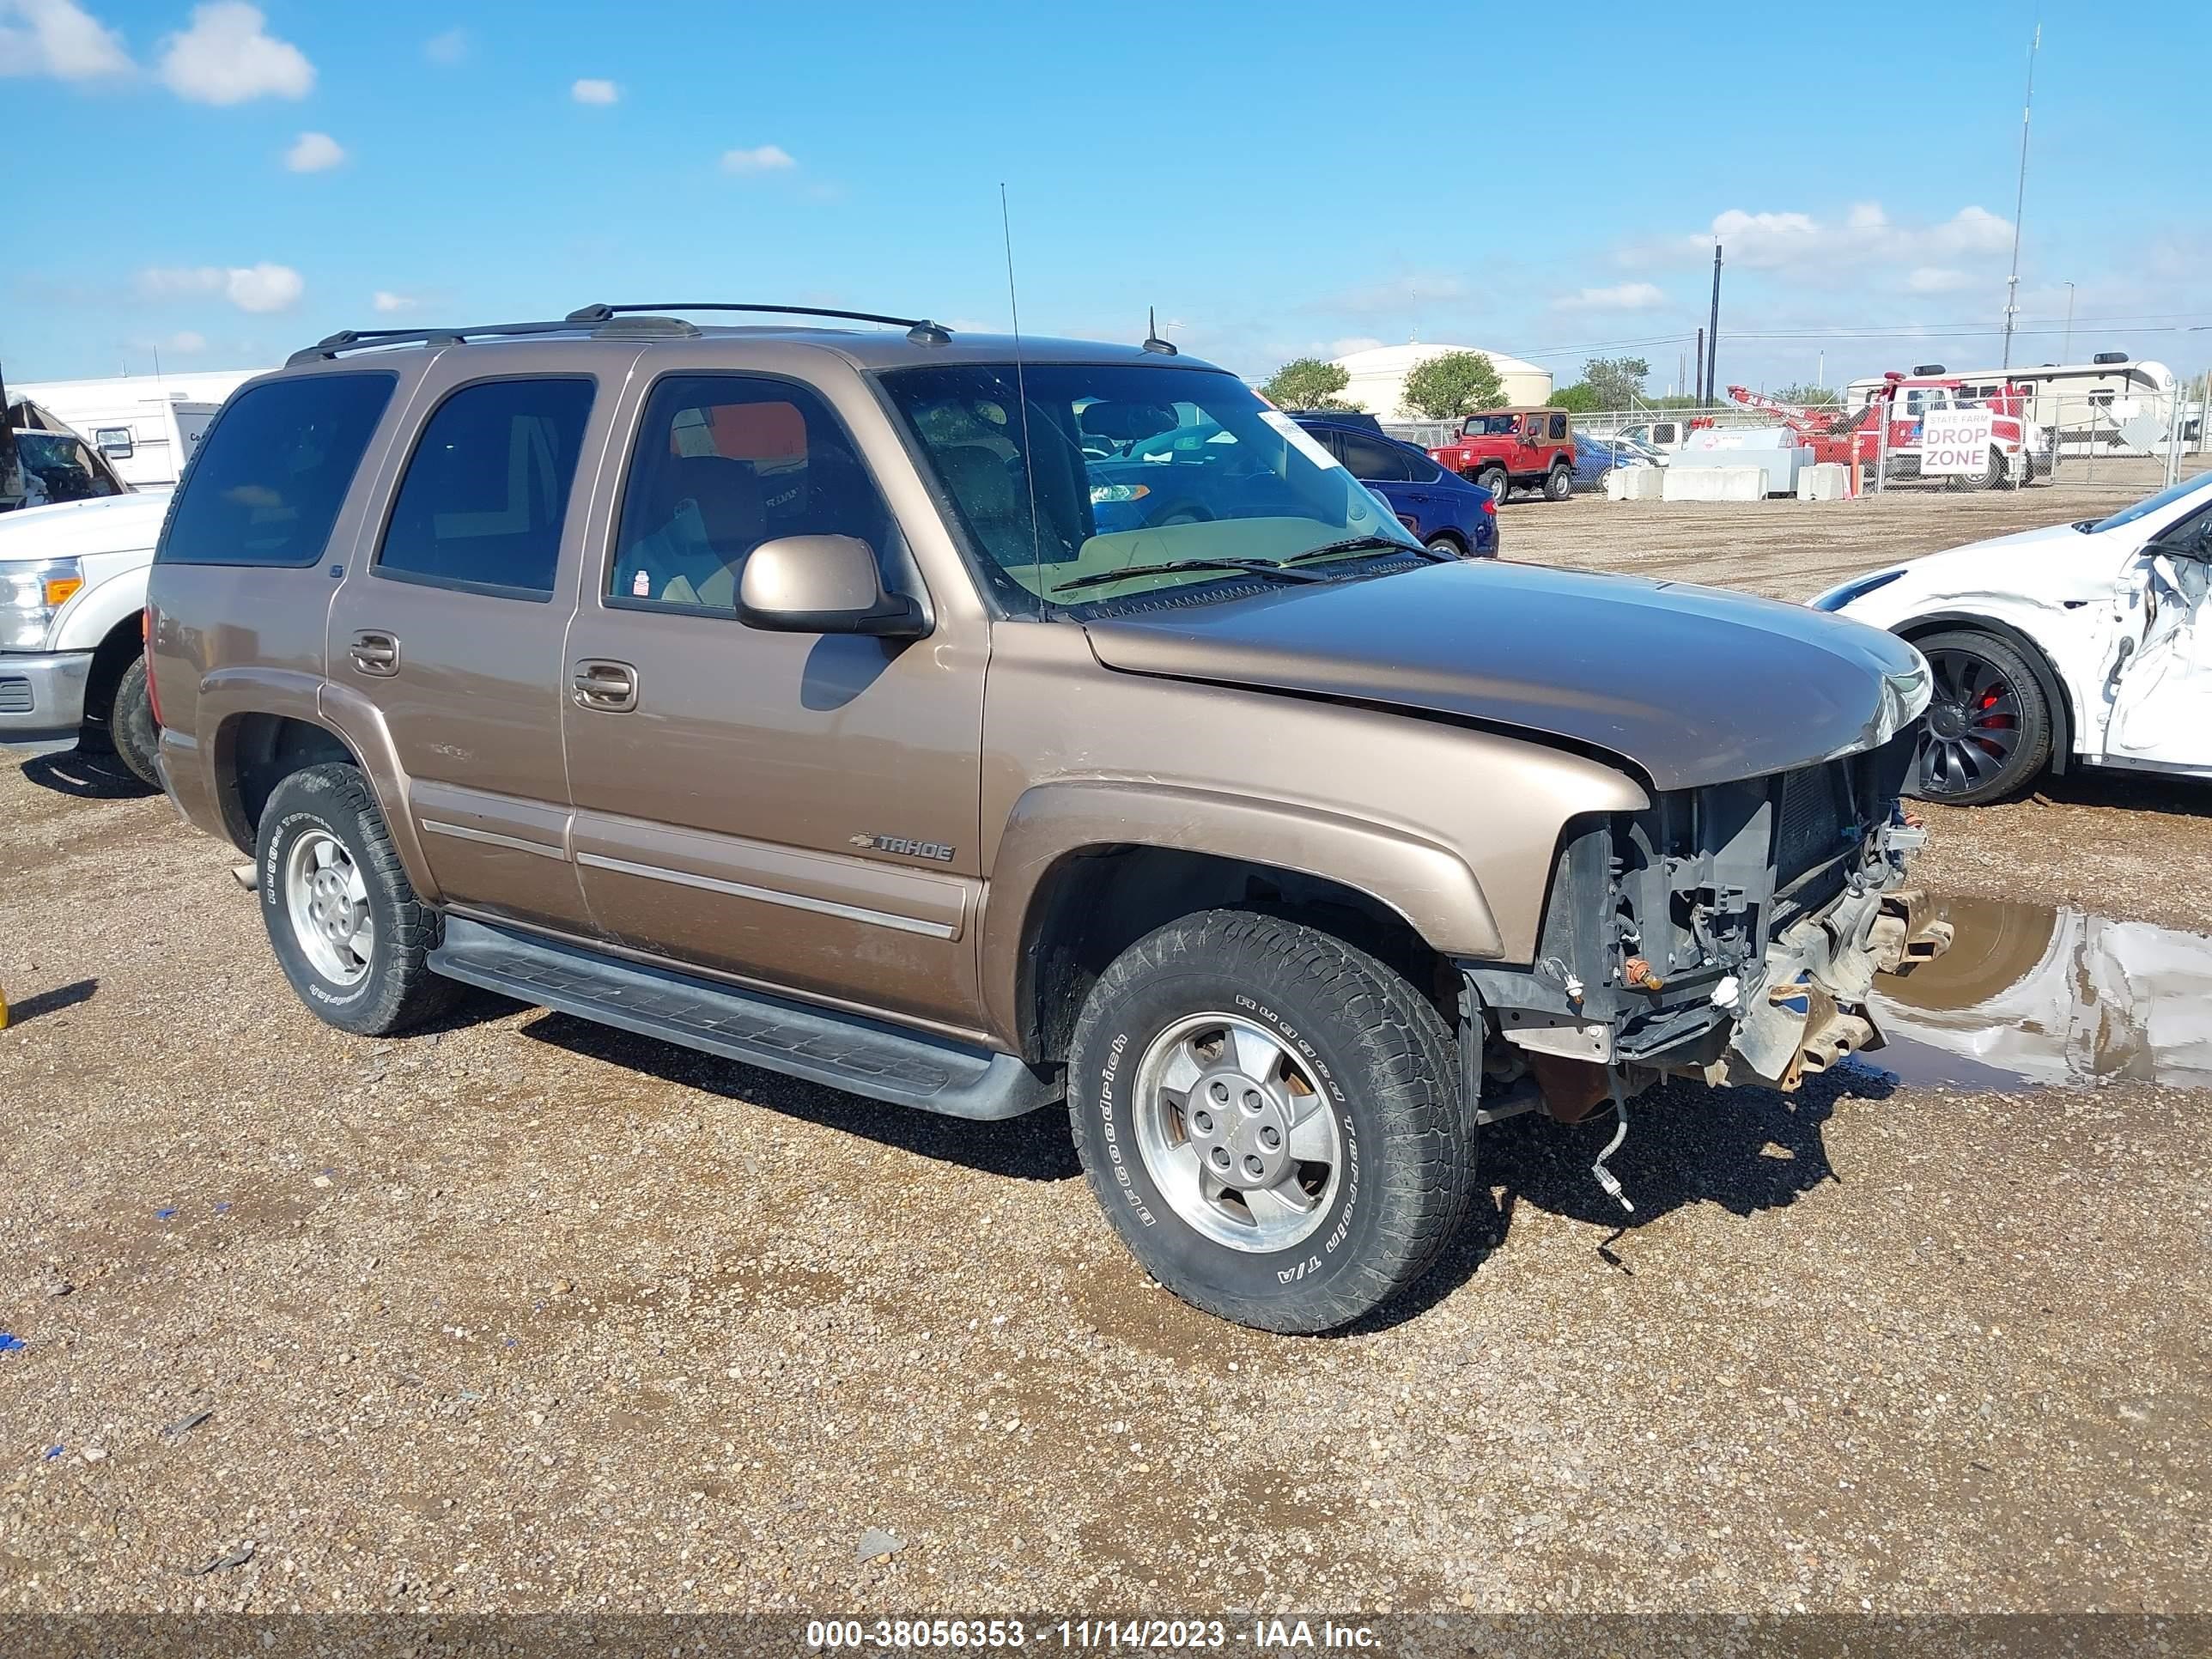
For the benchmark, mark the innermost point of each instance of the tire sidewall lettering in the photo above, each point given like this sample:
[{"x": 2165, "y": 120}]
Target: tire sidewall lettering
[{"x": 310, "y": 984}]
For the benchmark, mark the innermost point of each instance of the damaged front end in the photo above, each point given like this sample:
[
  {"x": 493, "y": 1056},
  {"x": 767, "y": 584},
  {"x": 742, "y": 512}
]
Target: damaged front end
[{"x": 1730, "y": 933}]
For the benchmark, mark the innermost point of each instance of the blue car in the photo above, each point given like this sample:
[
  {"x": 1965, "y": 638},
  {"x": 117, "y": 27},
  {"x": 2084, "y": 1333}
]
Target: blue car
[
  {"x": 1441, "y": 508},
  {"x": 1595, "y": 457}
]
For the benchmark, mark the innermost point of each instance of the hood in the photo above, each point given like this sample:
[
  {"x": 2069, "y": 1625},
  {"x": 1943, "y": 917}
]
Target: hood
[
  {"x": 1690, "y": 685},
  {"x": 69, "y": 530},
  {"x": 2022, "y": 563}
]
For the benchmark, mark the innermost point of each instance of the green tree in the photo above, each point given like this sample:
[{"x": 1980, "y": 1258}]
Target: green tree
[
  {"x": 1617, "y": 382},
  {"x": 1456, "y": 384},
  {"x": 1306, "y": 383},
  {"x": 1578, "y": 397},
  {"x": 1810, "y": 396}
]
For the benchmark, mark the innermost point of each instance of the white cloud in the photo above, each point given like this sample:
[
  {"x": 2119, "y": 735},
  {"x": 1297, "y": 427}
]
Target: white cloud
[
  {"x": 388, "y": 302},
  {"x": 58, "y": 37},
  {"x": 313, "y": 152},
  {"x": 449, "y": 48},
  {"x": 1621, "y": 296},
  {"x": 226, "y": 57},
  {"x": 250, "y": 288},
  {"x": 1937, "y": 279},
  {"x": 1803, "y": 243},
  {"x": 768, "y": 158},
  {"x": 595, "y": 92},
  {"x": 1350, "y": 344}
]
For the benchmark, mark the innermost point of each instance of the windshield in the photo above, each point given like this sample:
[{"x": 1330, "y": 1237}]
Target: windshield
[
  {"x": 1491, "y": 426},
  {"x": 1117, "y": 465},
  {"x": 59, "y": 466},
  {"x": 2169, "y": 496}
]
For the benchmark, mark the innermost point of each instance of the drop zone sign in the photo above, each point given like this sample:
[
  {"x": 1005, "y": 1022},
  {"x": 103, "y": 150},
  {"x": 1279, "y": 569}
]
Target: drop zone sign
[{"x": 1955, "y": 441}]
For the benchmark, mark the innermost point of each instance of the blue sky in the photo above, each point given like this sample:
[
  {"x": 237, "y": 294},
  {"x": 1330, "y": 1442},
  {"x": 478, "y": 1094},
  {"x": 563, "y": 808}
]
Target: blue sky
[{"x": 224, "y": 182}]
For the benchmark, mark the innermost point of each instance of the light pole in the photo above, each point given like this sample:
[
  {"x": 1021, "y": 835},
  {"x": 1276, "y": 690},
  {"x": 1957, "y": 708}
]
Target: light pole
[
  {"x": 2019, "y": 199},
  {"x": 2066, "y": 351}
]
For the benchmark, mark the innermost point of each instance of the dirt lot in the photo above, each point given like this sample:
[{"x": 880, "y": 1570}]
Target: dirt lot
[{"x": 523, "y": 1315}]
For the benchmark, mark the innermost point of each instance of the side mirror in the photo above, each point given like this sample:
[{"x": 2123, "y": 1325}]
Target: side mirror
[{"x": 822, "y": 585}]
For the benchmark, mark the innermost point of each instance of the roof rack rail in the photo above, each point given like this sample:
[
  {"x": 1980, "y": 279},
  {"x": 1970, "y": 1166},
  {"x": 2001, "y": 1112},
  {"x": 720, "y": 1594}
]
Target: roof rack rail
[
  {"x": 920, "y": 330},
  {"x": 357, "y": 339}
]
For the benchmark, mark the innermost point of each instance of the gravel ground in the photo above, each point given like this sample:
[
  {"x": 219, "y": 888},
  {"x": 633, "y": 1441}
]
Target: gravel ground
[{"x": 525, "y": 1315}]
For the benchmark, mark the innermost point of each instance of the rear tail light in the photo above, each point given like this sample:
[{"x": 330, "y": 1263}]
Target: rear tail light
[
  {"x": 1489, "y": 505},
  {"x": 146, "y": 643}
]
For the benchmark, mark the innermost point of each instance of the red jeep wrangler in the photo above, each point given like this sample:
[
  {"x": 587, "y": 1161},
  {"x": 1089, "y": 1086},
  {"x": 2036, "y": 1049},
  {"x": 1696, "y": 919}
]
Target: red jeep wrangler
[{"x": 1502, "y": 447}]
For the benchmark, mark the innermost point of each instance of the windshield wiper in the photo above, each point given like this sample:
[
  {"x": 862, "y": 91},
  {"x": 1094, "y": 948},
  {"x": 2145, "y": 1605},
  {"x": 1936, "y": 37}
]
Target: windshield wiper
[
  {"x": 2085, "y": 526},
  {"x": 1249, "y": 566},
  {"x": 1366, "y": 544}
]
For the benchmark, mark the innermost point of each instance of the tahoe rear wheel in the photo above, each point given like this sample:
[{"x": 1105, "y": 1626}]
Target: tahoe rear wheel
[
  {"x": 1987, "y": 731},
  {"x": 1271, "y": 1119},
  {"x": 344, "y": 921},
  {"x": 1558, "y": 485}
]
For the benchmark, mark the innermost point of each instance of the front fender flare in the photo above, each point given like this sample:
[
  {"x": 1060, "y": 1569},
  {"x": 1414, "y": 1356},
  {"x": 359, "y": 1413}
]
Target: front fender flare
[{"x": 1430, "y": 885}]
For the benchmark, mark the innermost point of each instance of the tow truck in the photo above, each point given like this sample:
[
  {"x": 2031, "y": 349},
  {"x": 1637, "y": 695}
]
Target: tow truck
[{"x": 2019, "y": 449}]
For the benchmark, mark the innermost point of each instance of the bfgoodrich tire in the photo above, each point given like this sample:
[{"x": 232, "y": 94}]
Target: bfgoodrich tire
[
  {"x": 130, "y": 726},
  {"x": 342, "y": 917},
  {"x": 1271, "y": 1119}
]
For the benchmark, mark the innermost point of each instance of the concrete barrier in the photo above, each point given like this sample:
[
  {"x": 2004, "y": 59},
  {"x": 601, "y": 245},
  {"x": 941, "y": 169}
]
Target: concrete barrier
[
  {"x": 1633, "y": 483},
  {"x": 1829, "y": 480},
  {"x": 1714, "y": 483}
]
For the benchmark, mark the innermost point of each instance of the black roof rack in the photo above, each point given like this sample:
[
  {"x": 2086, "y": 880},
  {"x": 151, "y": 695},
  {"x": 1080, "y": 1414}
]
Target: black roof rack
[
  {"x": 920, "y": 330},
  {"x": 357, "y": 339},
  {"x": 643, "y": 322}
]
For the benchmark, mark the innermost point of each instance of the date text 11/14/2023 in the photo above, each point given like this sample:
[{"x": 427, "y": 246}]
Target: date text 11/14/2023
[{"x": 1160, "y": 1635}]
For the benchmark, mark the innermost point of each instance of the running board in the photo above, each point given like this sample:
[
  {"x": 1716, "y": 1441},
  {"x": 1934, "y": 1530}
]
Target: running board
[{"x": 863, "y": 1056}]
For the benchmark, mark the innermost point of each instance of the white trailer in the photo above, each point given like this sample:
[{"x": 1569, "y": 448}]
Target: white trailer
[{"x": 146, "y": 425}]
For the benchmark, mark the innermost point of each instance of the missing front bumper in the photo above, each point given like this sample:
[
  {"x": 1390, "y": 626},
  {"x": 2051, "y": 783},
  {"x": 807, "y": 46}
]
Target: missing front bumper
[{"x": 1809, "y": 1010}]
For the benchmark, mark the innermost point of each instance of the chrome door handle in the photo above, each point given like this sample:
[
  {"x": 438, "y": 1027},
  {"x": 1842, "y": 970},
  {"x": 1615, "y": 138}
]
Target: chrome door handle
[
  {"x": 609, "y": 687},
  {"x": 375, "y": 653}
]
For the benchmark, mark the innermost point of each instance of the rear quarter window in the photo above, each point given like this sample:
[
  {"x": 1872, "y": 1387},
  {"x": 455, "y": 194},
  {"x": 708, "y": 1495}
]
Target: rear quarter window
[{"x": 266, "y": 482}]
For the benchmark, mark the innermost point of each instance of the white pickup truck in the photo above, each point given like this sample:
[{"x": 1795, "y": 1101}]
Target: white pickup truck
[{"x": 72, "y": 590}]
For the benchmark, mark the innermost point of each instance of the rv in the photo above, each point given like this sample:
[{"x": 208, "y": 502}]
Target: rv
[{"x": 146, "y": 425}]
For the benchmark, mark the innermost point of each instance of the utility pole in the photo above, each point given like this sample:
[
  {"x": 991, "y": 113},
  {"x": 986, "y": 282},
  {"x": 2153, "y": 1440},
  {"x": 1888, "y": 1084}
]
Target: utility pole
[
  {"x": 1713, "y": 336},
  {"x": 2019, "y": 200},
  {"x": 1697, "y": 388},
  {"x": 2066, "y": 351}
]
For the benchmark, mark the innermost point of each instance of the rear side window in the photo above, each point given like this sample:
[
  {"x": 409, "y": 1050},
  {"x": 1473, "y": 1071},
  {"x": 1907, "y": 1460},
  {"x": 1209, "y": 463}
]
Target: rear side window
[
  {"x": 1373, "y": 461},
  {"x": 266, "y": 484},
  {"x": 486, "y": 491},
  {"x": 1558, "y": 426}
]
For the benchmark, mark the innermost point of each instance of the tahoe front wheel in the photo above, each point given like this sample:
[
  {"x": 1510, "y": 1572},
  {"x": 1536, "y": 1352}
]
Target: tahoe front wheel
[{"x": 1271, "y": 1119}]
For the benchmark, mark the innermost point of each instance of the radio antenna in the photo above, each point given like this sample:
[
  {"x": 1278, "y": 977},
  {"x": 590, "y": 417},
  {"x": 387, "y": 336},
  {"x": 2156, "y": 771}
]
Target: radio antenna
[{"x": 1022, "y": 396}]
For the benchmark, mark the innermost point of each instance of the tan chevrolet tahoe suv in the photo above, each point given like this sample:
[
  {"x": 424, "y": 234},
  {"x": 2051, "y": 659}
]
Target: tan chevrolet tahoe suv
[{"x": 883, "y": 706}]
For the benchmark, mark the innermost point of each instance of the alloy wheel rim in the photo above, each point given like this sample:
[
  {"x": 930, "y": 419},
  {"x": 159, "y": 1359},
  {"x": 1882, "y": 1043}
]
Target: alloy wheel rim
[
  {"x": 327, "y": 902},
  {"x": 1233, "y": 1134},
  {"x": 1974, "y": 724}
]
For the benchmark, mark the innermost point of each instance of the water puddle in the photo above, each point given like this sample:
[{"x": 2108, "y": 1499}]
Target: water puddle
[{"x": 2030, "y": 995}]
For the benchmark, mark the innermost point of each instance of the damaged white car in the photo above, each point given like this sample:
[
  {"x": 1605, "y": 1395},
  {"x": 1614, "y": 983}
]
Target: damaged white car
[{"x": 2075, "y": 645}]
